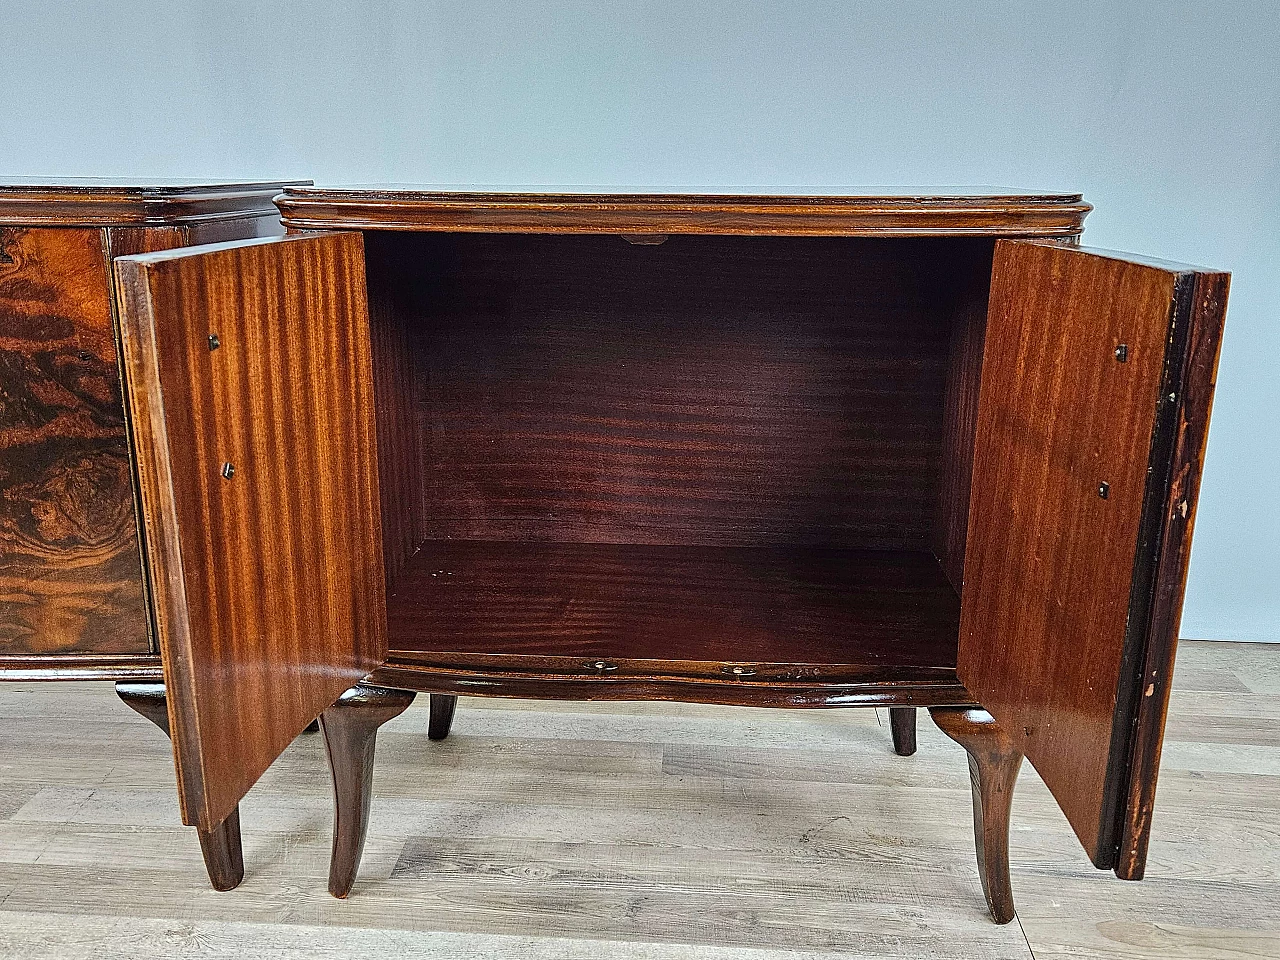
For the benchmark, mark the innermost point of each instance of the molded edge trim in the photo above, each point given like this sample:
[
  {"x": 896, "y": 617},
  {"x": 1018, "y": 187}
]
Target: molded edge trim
[
  {"x": 1048, "y": 215},
  {"x": 89, "y": 205},
  {"x": 459, "y": 682},
  {"x": 81, "y": 666}
]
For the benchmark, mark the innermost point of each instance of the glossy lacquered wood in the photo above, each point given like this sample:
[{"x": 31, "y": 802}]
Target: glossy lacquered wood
[
  {"x": 73, "y": 586},
  {"x": 706, "y": 391},
  {"x": 1191, "y": 372},
  {"x": 263, "y": 530},
  {"x": 994, "y": 761},
  {"x": 739, "y": 460},
  {"x": 971, "y": 289},
  {"x": 1081, "y": 384},
  {"x": 101, "y": 202},
  {"x": 443, "y": 707},
  {"x": 565, "y": 679},
  {"x": 220, "y": 845},
  {"x": 82, "y": 666},
  {"x": 70, "y": 569},
  {"x": 652, "y": 214},
  {"x": 350, "y": 728},
  {"x": 768, "y": 613},
  {"x": 902, "y": 723}
]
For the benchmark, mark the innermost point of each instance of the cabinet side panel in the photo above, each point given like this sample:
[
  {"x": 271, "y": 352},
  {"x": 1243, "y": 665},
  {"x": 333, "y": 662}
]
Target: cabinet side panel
[
  {"x": 70, "y": 571},
  {"x": 400, "y": 422},
  {"x": 964, "y": 378},
  {"x": 123, "y": 241}
]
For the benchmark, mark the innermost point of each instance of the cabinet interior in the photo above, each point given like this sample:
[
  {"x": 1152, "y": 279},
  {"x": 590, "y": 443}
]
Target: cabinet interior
[{"x": 706, "y": 450}]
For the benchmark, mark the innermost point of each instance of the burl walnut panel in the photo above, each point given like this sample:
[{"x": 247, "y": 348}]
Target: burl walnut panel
[{"x": 70, "y": 571}]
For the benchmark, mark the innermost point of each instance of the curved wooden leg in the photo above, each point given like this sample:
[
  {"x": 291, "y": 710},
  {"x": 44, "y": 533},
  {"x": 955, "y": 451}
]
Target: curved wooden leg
[
  {"x": 350, "y": 728},
  {"x": 902, "y": 724},
  {"x": 993, "y": 769},
  {"x": 442, "y": 707},
  {"x": 148, "y": 699},
  {"x": 223, "y": 853}
]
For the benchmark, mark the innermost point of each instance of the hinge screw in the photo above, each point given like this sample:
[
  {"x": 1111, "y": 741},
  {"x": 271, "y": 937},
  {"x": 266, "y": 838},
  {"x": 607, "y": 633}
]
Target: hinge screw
[
  {"x": 1104, "y": 490},
  {"x": 1122, "y": 353},
  {"x": 214, "y": 342},
  {"x": 228, "y": 471}
]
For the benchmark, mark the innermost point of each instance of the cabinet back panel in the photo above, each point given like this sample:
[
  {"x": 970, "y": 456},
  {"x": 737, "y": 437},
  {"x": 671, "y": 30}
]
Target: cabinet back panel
[{"x": 707, "y": 390}]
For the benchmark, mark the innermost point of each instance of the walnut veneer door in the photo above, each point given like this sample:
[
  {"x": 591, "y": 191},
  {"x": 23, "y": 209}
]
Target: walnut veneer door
[
  {"x": 251, "y": 397},
  {"x": 1097, "y": 377},
  {"x": 70, "y": 576}
]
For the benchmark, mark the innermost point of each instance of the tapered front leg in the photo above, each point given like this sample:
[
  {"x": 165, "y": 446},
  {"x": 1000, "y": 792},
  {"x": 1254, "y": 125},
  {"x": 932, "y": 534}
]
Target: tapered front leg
[
  {"x": 223, "y": 852},
  {"x": 442, "y": 707},
  {"x": 994, "y": 762},
  {"x": 350, "y": 729},
  {"x": 221, "y": 847},
  {"x": 902, "y": 724}
]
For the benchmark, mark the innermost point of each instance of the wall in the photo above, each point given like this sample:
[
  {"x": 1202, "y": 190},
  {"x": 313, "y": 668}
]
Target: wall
[{"x": 1167, "y": 117}]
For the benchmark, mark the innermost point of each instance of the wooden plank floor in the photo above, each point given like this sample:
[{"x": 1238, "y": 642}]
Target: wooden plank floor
[{"x": 634, "y": 831}]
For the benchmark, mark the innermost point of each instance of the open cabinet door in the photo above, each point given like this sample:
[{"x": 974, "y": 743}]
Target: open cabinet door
[
  {"x": 1097, "y": 376},
  {"x": 250, "y": 394}
]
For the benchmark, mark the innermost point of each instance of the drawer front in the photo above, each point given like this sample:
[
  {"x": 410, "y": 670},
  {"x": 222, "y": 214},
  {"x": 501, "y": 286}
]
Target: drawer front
[{"x": 70, "y": 570}]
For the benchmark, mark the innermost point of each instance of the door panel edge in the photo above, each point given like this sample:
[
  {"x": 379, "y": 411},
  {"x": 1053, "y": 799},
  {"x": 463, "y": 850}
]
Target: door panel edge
[
  {"x": 162, "y": 553},
  {"x": 1186, "y": 423}
]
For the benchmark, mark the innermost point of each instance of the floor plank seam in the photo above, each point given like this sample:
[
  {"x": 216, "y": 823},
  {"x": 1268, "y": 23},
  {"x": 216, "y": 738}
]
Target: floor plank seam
[{"x": 1031, "y": 952}]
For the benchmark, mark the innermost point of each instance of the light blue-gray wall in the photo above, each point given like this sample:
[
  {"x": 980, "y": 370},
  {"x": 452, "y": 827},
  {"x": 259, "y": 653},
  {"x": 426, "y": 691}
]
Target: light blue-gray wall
[{"x": 1166, "y": 116}]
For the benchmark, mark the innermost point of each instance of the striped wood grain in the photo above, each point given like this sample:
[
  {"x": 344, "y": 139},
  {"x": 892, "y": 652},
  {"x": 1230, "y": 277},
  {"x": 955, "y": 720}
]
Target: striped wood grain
[
  {"x": 1070, "y": 489},
  {"x": 268, "y": 583}
]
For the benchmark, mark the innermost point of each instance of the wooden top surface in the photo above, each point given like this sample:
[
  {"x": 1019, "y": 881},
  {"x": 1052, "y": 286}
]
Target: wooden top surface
[
  {"x": 880, "y": 211},
  {"x": 106, "y": 202}
]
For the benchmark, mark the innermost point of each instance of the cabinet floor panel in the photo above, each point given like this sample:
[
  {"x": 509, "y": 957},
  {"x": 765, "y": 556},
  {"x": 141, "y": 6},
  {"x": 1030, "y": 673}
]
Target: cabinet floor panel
[{"x": 880, "y": 611}]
